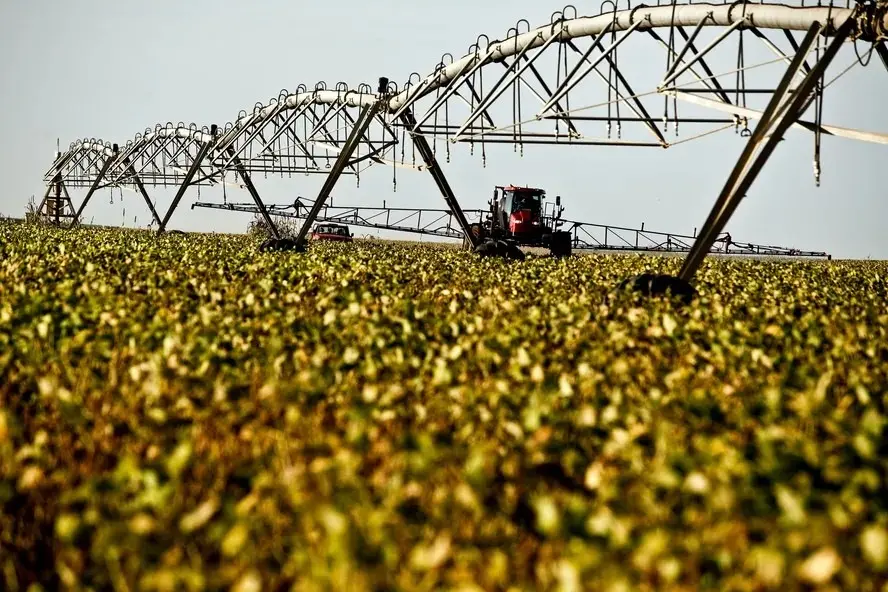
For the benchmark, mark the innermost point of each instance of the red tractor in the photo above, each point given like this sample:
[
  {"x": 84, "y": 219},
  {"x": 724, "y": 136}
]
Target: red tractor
[{"x": 517, "y": 218}]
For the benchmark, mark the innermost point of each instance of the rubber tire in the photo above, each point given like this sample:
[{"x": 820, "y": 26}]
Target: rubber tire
[
  {"x": 467, "y": 244},
  {"x": 513, "y": 252},
  {"x": 652, "y": 284},
  {"x": 502, "y": 249},
  {"x": 560, "y": 244},
  {"x": 281, "y": 245},
  {"x": 488, "y": 248}
]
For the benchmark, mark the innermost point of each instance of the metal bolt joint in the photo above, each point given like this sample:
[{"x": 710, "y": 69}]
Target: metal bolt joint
[
  {"x": 881, "y": 22},
  {"x": 872, "y": 20}
]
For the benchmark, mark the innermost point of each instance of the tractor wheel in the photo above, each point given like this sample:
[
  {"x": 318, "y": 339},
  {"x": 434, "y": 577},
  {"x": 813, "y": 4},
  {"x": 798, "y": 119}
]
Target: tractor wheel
[
  {"x": 511, "y": 251},
  {"x": 560, "y": 244},
  {"x": 289, "y": 244},
  {"x": 495, "y": 248},
  {"x": 478, "y": 233},
  {"x": 281, "y": 245},
  {"x": 488, "y": 248}
]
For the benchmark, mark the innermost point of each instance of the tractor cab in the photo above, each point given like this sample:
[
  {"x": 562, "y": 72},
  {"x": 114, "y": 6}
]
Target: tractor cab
[{"x": 519, "y": 210}]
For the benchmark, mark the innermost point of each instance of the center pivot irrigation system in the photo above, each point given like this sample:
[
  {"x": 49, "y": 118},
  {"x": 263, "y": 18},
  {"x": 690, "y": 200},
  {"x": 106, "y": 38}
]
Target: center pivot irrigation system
[{"x": 709, "y": 67}]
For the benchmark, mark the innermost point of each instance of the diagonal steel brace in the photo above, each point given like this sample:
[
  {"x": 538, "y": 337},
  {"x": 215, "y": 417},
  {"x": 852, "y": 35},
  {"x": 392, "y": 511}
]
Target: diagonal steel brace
[
  {"x": 189, "y": 177},
  {"x": 428, "y": 156},
  {"x": 248, "y": 182},
  {"x": 95, "y": 185},
  {"x": 883, "y": 52},
  {"x": 779, "y": 115},
  {"x": 342, "y": 161}
]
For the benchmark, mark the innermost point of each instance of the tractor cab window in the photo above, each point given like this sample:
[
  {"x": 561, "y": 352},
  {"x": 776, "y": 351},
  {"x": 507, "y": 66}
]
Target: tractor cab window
[
  {"x": 334, "y": 230},
  {"x": 526, "y": 200}
]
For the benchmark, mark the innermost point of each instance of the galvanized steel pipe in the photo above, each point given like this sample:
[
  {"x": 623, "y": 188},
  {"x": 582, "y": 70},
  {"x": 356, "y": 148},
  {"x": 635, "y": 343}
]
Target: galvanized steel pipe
[
  {"x": 762, "y": 16},
  {"x": 91, "y": 146}
]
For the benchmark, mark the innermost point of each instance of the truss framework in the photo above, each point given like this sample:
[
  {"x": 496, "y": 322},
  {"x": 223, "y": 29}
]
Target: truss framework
[
  {"x": 572, "y": 81},
  {"x": 442, "y": 223},
  {"x": 432, "y": 222}
]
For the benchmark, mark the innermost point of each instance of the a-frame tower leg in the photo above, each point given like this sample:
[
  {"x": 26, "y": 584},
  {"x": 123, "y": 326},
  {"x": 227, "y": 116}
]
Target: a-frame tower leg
[
  {"x": 428, "y": 157},
  {"x": 784, "y": 109},
  {"x": 56, "y": 203},
  {"x": 95, "y": 184},
  {"x": 189, "y": 177},
  {"x": 342, "y": 161}
]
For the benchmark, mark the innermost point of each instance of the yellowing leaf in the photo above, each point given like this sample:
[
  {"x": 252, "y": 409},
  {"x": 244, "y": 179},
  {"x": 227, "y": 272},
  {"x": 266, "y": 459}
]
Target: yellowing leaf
[
  {"x": 874, "y": 544},
  {"x": 199, "y": 516},
  {"x": 669, "y": 324},
  {"x": 821, "y": 566},
  {"x": 235, "y": 539}
]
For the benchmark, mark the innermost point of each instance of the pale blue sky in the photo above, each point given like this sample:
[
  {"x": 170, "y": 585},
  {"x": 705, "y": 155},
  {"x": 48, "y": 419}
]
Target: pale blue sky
[{"x": 109, "y": 69}]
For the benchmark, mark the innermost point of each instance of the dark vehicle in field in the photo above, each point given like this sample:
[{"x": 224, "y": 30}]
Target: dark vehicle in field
[
  {"x": 519, "y": 217},
  {"x": 328, "y": 231}
]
